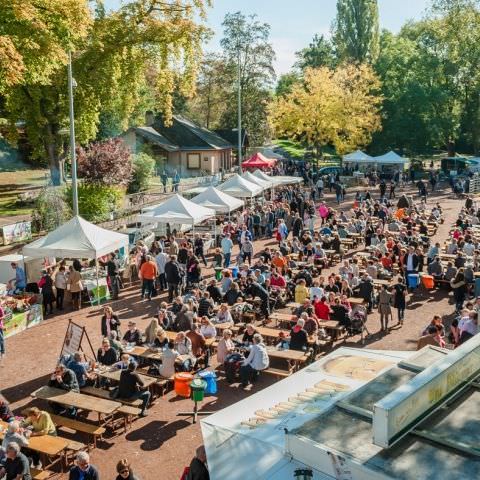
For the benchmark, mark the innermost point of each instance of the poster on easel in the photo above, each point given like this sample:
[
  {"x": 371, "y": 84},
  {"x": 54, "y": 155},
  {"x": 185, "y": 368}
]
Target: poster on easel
[{"x": 72, "y": 342}]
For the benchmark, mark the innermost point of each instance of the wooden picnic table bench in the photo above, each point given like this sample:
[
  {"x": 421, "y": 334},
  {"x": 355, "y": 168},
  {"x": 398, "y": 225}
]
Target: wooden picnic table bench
[
  {"x": 93, "y": 430},
  {"x": 116, "y": 373},
  {"x": 101, "y": 406}
]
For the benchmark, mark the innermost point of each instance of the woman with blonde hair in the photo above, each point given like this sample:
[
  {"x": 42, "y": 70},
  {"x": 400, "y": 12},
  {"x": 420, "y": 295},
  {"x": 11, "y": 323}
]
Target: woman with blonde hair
[
  {"x": 151, "y": 330},
  {"x": 110, "y": 321},
  {"x": 161, "y": 339},
  {"x": 225, "y": 346}
]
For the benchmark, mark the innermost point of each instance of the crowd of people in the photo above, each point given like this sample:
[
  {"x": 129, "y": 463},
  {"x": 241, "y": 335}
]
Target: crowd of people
[{"x": 308, "y": 238}]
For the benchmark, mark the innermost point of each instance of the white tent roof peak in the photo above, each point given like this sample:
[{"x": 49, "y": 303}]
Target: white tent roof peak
[
  {"x": 177, "y": 209},
  {"x": 236, "y": 186},
  {"x": 357, "y": 156},
  {"x": 257, "y": 180},
  {"x": 390, "y": 157},
  {"x": 217, "y": 200},
  {"x": 77, "y": 239}
]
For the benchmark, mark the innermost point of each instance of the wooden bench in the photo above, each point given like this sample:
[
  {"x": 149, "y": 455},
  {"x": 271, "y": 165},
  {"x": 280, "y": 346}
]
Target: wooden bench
[
  {"x": 90, "y": 429},
  {"x": 161, "y": 383},
  {"x": 128, "y": 413},
  {"x": 73, "y": 448},
  {"x": 40, "y": 474},
  {"x": 100, "y": 393},
  {"x": 277, "y": 372}
]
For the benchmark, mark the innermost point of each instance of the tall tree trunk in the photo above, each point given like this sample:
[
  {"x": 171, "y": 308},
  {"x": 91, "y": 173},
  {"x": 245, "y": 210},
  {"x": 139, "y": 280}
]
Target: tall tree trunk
[
  {"x": 55, "y": 161},
  {"x": 451, "y": 148}
]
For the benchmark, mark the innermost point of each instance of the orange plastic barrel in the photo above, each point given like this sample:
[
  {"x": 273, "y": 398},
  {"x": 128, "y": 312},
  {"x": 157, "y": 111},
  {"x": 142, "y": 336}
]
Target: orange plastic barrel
[
  {"x": 428, "y": 282},
  {"x": 182, "y": 384}
]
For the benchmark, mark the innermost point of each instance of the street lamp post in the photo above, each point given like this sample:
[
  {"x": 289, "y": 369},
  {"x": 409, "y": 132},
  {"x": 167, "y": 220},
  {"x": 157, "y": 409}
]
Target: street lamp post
[
  {"x": 239, "y": 108},
  {"x": 72, "y": 136}
]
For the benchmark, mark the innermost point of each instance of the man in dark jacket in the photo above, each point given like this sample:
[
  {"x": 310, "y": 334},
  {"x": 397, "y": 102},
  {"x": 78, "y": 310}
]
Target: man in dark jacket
[
  {"x": 256, "y": 290},
  {"x": 365, "y": 291},
  {"x": 83, "y": 470},
  {"x": 65, "y": 379},
  {"x": 130, "y": 387},
  {"x": 410, "y": 263},
  {"x": 297, "y": 225},
  {"x": 173, "y": 274},
  {"x": 183, "y": 320},
  {"x": 299, "y": 336},
  {"x": 113, "y": 272},
  {"x": 198, "y": 468}
]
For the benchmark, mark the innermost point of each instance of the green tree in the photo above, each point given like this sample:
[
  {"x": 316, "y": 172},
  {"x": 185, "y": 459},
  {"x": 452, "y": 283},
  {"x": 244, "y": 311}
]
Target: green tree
[
  {"x": 246, "y": 43},
  {"x": 146, "y": 45},
  {"x": 319, "y": 53},
  {"x": 356, "y": 30},
  {"x": 285, "y": 83},
  {"x": 143, "y": 167}
]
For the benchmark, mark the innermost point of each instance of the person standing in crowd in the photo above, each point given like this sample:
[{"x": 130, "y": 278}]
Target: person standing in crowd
[
  {"x": 399, "y": 301},
  {"x": 83, "y": 469},
  {"x": 175, "y": 181},
  {"x": 161, "y": 259},
  {"x": 20, "y": 279},
  {"x": 198, "y": 247},
  {"x": 48, "y": 296},
  {"x": 164, "y": 179},
  {"x": 76, "y": 287},
  {"x": 60, "y": 286},
  {"x": 2, "y": 336},
  {"x": 227, "y": 246},
  {"x": 130, "y": 387},
  {"x": 148, "y": 273},
  {"x": 113, "y": 273},
  {"x": 109, "y": 322},
  {"x": 384, "y": 308},
  {"x": 173, "y": 276}
]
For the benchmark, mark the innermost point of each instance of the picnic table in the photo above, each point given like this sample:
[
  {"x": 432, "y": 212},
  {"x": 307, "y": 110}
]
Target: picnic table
[
  {"x": 270, "y": 333},
  {"x": 78, "y": 400},
  {"x": 294, "y": 358},
  {"x": 116, "y": 373},
  {"x": 50, "y": 448}
]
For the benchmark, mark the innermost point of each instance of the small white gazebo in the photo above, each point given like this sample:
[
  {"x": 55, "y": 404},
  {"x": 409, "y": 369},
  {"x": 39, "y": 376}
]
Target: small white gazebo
[
  {"x": 358, "y": 157},
  {"x": 238, "y": 187},
  {"x": 391, "y": 159},
  {"x": 217, "y": 200},
  {"x": 265, "y": 184}
]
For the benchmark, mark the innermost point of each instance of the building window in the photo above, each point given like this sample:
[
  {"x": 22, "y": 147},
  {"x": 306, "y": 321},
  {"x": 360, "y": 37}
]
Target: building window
[{"x": 193, "y": 161}]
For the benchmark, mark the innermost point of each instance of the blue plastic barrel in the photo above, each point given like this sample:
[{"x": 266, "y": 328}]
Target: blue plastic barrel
[
  {"x": 211, "y": 380},
  {"x": 413, "y": 280}
]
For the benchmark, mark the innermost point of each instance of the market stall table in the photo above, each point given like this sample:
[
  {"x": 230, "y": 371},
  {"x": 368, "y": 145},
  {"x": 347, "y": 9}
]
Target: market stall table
[
  {"x": 50, "y": 448},
  {"x": 81, "y": 401}
]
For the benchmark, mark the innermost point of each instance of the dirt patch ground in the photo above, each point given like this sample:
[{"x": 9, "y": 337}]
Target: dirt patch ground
[{"x": 164, "y": 443}]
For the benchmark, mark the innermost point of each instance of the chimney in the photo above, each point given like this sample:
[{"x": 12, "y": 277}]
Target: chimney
[{"x": 149, "y": 118}]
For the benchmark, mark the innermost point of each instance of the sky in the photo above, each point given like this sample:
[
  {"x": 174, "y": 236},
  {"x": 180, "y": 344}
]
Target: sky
[{"x": 294, "y": 23}]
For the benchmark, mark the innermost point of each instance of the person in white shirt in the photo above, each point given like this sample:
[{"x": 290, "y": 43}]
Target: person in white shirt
[
  {"x": 207, "y": 329},
  {"x": 60, "y": 286},
  {"x": 169, "y": 357},
  {"x": 316, "y": 291},
  {"x": 161, "y": 259},
  {"x": 256, "y": 361},
  {"x": 469, "y": 249}
]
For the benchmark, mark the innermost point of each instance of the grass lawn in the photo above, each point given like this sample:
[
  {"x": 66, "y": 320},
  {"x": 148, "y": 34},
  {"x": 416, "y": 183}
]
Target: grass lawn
[{"x": 12, "y": 183}]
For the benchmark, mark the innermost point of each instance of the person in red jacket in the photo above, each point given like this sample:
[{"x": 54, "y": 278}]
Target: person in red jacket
[{"x": 322, "y": 309}]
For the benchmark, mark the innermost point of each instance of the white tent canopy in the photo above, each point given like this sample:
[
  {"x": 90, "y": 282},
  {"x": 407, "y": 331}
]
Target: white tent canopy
[
  {"x": 277, "y": 180},
  {"x": 265, "y": 184},
  {"x": 176, "y": 210},
  {"x": 77, "y": 239},
  {"x": 217, "y": 200},
  {"x": 237, "y": 186},
  {"x": 358, "y": 157},
  {"x": 390, "y": 158}
]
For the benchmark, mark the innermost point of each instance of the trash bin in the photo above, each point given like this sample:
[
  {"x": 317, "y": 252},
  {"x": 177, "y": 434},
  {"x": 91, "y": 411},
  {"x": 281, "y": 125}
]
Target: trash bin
[
  {"x": 413, "y": 280},
  {"x": 197, "y": 387},
  {"x": 427, "y": 281},
  {"x": 211, "y": 380},
  {"x": 182, "y": 384},
  {"x": 218, "y": 273}
]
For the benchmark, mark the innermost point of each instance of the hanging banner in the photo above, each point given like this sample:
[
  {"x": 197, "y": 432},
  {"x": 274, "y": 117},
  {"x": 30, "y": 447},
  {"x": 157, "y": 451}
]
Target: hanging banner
[{"x": 17, "y": 232}]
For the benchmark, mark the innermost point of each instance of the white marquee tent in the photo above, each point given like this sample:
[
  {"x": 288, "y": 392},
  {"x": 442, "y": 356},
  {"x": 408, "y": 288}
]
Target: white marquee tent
[
  {"x": 358, "y": 157},
  {"x": 217, "y": 200},
  {"x": 265, "y": 184},
  {"x": 177, "y": 210},
  {"x": 390, "y": 158},
  {"x": 77, "y": 239},
  {"x": 277, "y": 179},
  {"x": 238, "y": 187}
]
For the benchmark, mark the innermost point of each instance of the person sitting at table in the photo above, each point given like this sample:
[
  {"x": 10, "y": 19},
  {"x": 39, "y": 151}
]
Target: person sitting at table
[
  {"x": 340, "y": 312},
  {"x": 122, "y": 364},
  {"x": 322, "y": 308},
  {"x": 83, "y": 470},
  {"x": 184, "y": 320},
  {"x": 132, "y": 335},
  {"x": 13, "y": 434},
  {"x": 115, "y": 342},
  {"x": 277, "y": 280},
  {"x": 450, "y": 272},
  {"x": 130, "y": 387},
  {"x": 207, "y": 328},
  {"x": 435, "y": 269},
  {"x": 109, "y": 321},
  {"x": 6, "y": 414},
  {"x": 256, "y": 361},
  {"x": 299, "y": 336},
  {"x": 223, "y": 315},
  {"x": 16, "y": 465},
  {"x": 247, "y": 338},
  {"x": 214, "y": 291},
  {"x": 176, "y": 305},
  {"x": 232, "y": 294},
  {"x": 183, "y": 345},
  {"x": 106, "y": 354},
  {"x": 40, "y": 421},
  {"x": 226, "y": 281},
  {"x": 79, "y": 367},
  {"x": 65, "y": 379},
  {"x": 311, "y": 323},
  {"x": 225, "y": 346},
  {"x": 205, "y": 305},
  {"x": 161, "y": 339},
  {"x": 198, "y": 343},
  {"x": 151, "y": 330}
]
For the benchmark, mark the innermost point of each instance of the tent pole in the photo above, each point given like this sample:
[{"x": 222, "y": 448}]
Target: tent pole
[
  {"x": 24, "y": 269},
  {"x": 98, "y": 290}
]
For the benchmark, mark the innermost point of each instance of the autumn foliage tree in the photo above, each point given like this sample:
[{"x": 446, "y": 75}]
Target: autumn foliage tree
[{"x": 330, "y": 107}]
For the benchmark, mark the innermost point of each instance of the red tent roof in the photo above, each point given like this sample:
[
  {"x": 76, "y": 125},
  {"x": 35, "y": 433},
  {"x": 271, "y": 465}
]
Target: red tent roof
[{"x": 257, "y": 160}]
